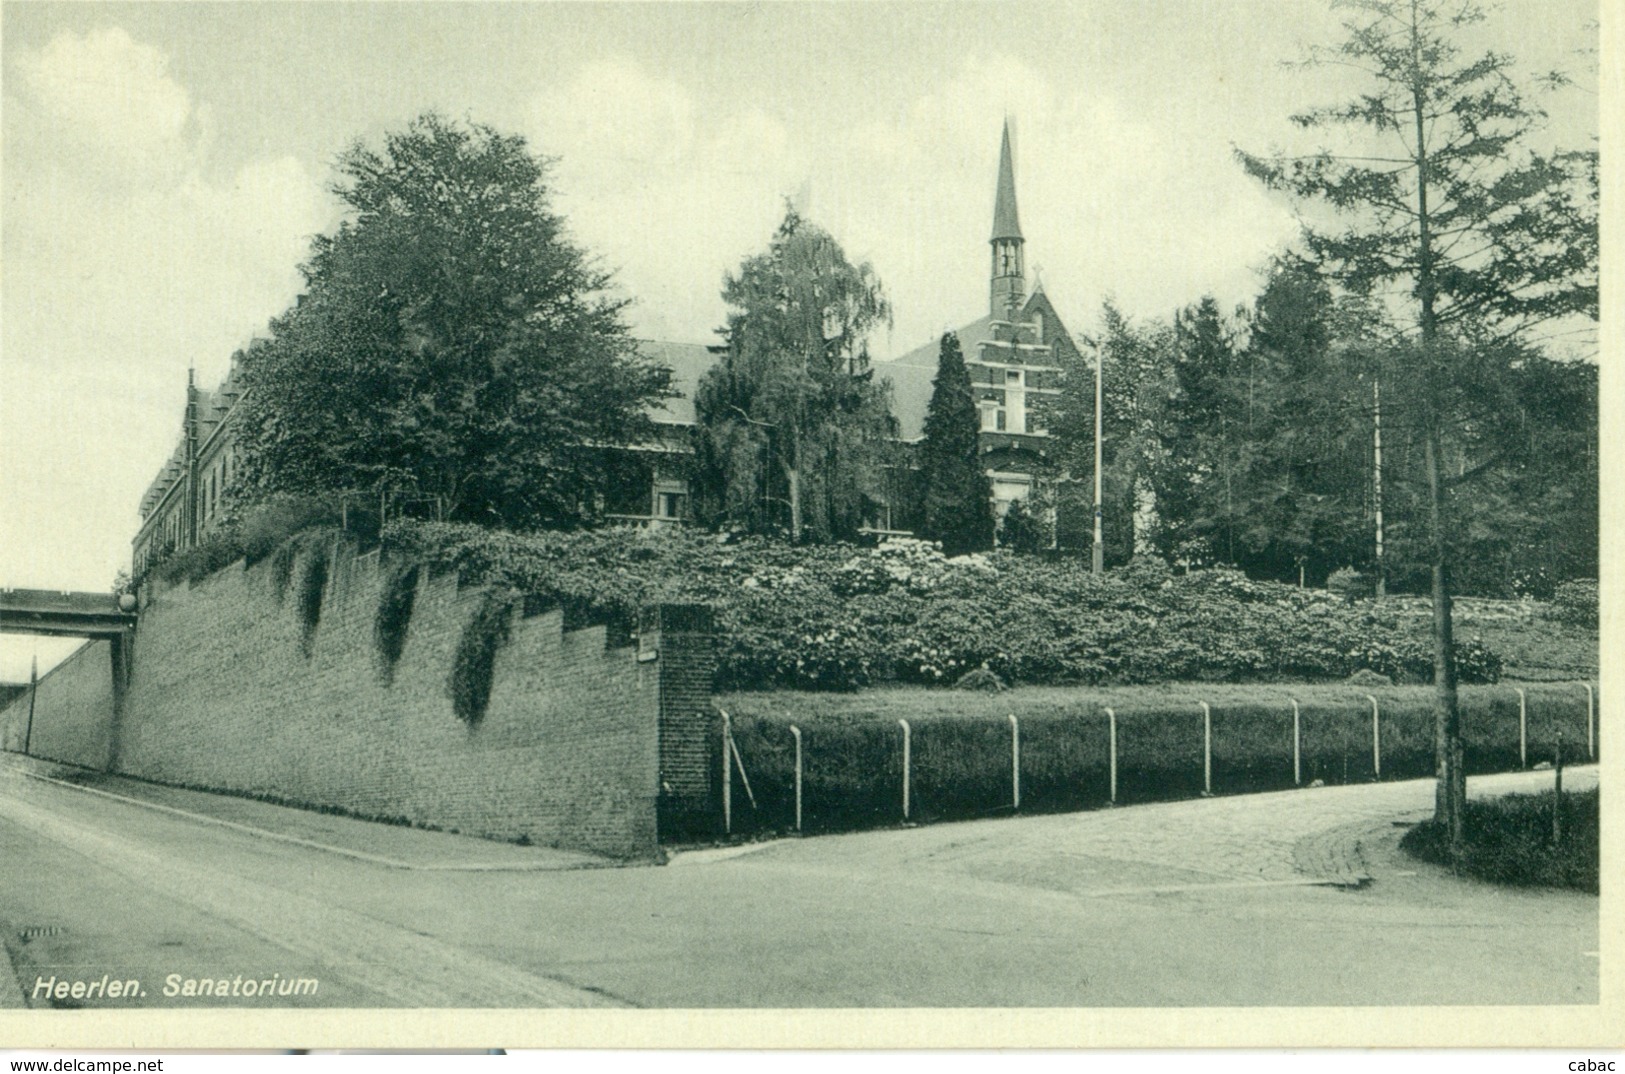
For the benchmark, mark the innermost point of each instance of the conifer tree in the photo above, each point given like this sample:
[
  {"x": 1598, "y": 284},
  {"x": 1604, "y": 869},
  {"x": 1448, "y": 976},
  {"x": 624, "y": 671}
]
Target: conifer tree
[
  {"x": 1022, "y": 530},
  {"x": 958, "y": 493},
  {"x": 1442, "y": 198}
]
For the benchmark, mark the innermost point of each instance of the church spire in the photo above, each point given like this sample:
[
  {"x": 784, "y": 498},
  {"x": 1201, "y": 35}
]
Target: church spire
[
  {"x": 1006, "y": 225},
  {"x": 1008, "y": 270}
]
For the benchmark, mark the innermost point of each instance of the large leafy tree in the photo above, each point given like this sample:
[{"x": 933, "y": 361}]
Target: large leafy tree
[
  {"x": 1438, "y": 192},
  {"x": 957, "y": 491},
  {"x": 452, "y": 345},
  {"x": 794, "y": 430}
]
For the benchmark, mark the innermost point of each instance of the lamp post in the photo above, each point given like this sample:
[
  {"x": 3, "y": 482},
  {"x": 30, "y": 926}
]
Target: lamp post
[
  {"x": 1098, "y": 558},
  {"x": 33, "y": 686},
  {"x": 1376, "y": 476}
]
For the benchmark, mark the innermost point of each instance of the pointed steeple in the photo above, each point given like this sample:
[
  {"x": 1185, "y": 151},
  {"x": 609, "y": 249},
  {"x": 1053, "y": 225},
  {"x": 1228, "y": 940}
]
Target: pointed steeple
[
  {"x": 1006, "y": 225},
  {"x": 1008, "y": 273}
]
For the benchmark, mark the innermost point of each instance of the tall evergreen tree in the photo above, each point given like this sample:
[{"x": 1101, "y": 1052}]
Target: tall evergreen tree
[
  {"x": 958, "y": 493},
  {"x": 1304, "y": 423},
  {"x": 1197, "y": 476}
]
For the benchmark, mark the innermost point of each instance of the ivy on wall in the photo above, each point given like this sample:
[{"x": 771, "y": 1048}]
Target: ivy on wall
[
  {"x": 312, "y": 584},
  {"x": 393, "y": 617},
  {"x": 486, "y": 632}
]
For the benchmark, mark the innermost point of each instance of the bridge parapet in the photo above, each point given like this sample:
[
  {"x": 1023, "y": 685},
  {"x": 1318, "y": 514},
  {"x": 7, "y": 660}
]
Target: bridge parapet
[{"x": 60, "y": 613}]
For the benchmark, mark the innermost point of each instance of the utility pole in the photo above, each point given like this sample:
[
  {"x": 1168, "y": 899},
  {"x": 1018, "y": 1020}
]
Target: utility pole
[
  {"x": 190, "y": 438},
  {"x": 1098, "y": 559},
  {"x": 1376, "y": 478},
  {"x": 33, "y": 683}
]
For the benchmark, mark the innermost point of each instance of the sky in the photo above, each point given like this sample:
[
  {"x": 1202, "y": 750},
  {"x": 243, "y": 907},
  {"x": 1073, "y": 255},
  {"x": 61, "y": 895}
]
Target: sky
[{"x": 165, "y": 166}]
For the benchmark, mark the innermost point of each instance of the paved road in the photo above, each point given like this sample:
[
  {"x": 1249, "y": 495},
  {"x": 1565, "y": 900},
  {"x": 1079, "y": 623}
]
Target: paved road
[{"x": 1215, "y": 902}]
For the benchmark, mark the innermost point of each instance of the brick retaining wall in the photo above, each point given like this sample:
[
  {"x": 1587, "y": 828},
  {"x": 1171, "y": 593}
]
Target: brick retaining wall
[
  {"x": 221, "y": 695},
  {"x": 73, "y": 711}
]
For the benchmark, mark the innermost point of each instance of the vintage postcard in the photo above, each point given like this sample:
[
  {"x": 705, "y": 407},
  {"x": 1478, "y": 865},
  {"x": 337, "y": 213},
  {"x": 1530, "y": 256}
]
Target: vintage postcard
[{"x": 919, "y": 525}]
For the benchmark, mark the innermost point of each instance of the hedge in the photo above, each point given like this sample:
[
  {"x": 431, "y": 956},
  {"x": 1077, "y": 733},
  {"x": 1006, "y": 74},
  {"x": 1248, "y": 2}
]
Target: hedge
[
  {"x": 961, "y": 747},
  {"x": 840, "y": 617}
]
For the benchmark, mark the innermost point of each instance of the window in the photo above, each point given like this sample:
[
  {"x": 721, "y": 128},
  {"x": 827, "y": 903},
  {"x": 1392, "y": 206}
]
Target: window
[
  {"x": 998, "y": 420},
  {"x": 1012, "y": 377},
  {"x": 1038, "y": 326},
  {"x": 1007, "y": 259},
  {"x": 670, "y": 504}
]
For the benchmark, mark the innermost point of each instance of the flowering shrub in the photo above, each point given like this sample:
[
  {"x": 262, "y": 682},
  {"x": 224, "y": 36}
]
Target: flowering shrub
[
  {"x": 840, "y": 618},
  {"x": 1575, "y": 602}
]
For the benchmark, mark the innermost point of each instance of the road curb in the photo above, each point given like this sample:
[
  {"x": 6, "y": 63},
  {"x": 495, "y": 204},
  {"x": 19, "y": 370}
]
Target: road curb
[{"x": 310, "y": 844}]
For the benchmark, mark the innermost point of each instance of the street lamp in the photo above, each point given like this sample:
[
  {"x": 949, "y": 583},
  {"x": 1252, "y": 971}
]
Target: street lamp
[
  {"x": 1098, "y": 559},
  {"x": 1376, "y": 476}
]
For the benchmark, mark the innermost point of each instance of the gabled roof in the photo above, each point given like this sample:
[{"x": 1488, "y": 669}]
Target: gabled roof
[
  {"x": 212, "y": 410},
  {"x": 688, "y": 363},
  {"x": 912, "y": 375}
]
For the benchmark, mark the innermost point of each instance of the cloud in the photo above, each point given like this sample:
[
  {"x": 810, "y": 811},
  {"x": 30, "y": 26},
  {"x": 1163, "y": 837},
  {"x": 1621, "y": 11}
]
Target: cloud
[
  {"x": 673, "y": 190},
  {"x": 128, "y": 257},
  {"x": 110, "y": 105},
  {"x": 668, "y": 193}
]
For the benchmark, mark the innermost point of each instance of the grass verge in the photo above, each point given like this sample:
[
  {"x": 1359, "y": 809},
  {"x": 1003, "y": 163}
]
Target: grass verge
[{"x": 1509, "y": 841}]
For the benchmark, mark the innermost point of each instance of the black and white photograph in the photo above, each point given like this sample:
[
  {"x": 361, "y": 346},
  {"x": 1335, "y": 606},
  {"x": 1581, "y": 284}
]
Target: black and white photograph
[{"x": 807, "y": 524}]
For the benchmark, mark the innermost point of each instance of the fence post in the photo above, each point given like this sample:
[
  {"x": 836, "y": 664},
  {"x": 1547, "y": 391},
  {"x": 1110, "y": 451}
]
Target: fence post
[
  {"x": 795, "y": 733},
  {"x": 1015, "y": 762},
  {"x": 1376, "y": 738},
  {"x": 727, "y": 777},
  {"x": 1557, "y": 791},
  {"x": 1591, "y": 734},
  {"x": 1111, "y": 737},
  {"x": 1297, "y": 747},
  {"x": 1207, "y": 748},
  {"x": 1523, "y": 728},
  {"x": 904, "y": 725}
]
